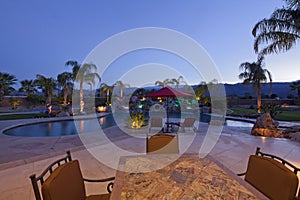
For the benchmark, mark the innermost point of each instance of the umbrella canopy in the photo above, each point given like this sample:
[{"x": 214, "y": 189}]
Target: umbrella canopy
[{"x": 169, "y": 92}]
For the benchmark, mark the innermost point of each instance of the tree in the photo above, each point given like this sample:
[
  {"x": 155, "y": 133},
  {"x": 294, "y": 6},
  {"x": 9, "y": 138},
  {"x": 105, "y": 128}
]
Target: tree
[
  {"x": 280, "y": 32},
  {"x": 75, "y": 68},
  {"x": 178, "y": 81},
  {"x": 83, "y": 74},
  {"x": 200, "y": 92},
  {"x": 6, "y": 82},
  {"x": 108, "y": 89},
  {"x": 28, "y": 87},
  {"x": 164, "y": 83},
  {"x": 296, "y": 86},
  {"x": 121, "y": 86},
  {"x": 254, "y": 74},
  {"x": 65, "y": 82},
  {"x": 47, "y": 85}
]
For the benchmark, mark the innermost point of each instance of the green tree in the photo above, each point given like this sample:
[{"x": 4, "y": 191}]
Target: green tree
[
  {"x": 296, "y": 86},
  {"x": 253, "y": 73},
  {"x": 47, "y": 85},
  {"x": 164, "y": 83},
  {"x": 6, "y": 82},
  {"x": 121, "y": 86},
  {"x": 65, "y": 82},
  {"x": 108, "y": 89},
  {"x": 28, "y": 87},
  {"x": 200, "y": 92},
  {"x": 85, "y": 73},
  {"x": 178, "y": 81},
  {"x": 75, "y": 68},
  {"x": 280, "y": 32}
]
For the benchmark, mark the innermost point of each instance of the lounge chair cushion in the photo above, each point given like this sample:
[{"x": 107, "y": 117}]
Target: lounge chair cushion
[
  {"x": 65, "y": 183},
  {"x": 271, "y": 177}
]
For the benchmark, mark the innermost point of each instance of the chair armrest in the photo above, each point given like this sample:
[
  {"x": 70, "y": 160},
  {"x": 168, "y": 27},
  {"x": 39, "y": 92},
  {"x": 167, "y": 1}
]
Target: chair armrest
[
  {"x": 242, "y": 174},
  {"x": 109, "y": 186},
  {"x": 99, "y": 180}
]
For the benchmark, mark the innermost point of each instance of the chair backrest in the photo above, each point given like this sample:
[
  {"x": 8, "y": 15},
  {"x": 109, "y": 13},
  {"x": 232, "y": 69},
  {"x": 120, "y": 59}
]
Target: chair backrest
[
  {"x": 156, "y": 122},
  {"x": 40, "y": 180},
  {"x": 162, "y": 144},
  {"x": 188, "y": 122},
  {"x": 271, "y": 177},
  {"x": 66, "y": 182}
]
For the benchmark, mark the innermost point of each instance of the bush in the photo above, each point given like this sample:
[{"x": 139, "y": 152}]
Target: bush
[{"x": 272, "y": 108}]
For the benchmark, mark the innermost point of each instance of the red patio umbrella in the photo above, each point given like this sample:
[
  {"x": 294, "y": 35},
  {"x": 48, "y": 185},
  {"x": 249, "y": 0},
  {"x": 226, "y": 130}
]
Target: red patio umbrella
[{"x": 168, "y": 92}]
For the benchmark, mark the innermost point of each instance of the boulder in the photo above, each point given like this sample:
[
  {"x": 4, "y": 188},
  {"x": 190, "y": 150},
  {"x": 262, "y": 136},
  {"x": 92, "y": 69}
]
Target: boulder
[
  {"x": 265, "y": 126},
  {"x": 295, "y": 136}
]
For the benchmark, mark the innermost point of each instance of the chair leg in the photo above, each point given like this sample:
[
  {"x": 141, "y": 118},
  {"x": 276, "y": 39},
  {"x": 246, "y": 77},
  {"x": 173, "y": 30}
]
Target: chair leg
[{"x": 35, "y": 187}]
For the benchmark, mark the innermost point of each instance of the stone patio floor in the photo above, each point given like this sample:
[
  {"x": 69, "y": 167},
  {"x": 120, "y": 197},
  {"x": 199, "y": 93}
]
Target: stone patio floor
[{"x": 22, "y": 156}]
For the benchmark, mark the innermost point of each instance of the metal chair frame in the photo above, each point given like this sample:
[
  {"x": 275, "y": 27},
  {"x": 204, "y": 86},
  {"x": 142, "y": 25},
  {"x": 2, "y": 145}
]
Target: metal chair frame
[{"x": 50, "y": 169}]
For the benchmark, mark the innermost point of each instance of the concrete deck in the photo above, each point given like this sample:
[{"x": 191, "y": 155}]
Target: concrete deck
[{"x": 22, "y": 156}]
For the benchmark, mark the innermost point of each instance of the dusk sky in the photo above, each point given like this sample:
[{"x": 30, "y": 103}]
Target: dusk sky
[{"x": 39, "y": 36}]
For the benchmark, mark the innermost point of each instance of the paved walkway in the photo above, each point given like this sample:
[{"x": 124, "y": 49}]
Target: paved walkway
[{"x": 22, "y": 156}]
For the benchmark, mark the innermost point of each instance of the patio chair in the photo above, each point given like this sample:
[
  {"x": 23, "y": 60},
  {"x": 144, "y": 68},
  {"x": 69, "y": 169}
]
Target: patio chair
[
  {"x": 162, "y": 143},
  {"x": 156, "y": 123},
  {"x": 271, "y": 175},
  {"x": 188, "y": 123},
  {"x": 65, "y": 182}
]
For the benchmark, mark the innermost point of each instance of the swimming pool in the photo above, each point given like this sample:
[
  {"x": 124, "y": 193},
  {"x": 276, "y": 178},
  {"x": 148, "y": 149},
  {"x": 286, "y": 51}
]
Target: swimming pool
[
  {"x": 74, "y": 127},
  {"x": 61, "y": 128}
]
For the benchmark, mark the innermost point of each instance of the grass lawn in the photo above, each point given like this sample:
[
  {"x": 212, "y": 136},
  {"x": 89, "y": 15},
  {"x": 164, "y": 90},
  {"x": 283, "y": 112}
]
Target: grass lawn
[
  {"x": 288, "y": 116},
  {"x": 282, "y": 116}
]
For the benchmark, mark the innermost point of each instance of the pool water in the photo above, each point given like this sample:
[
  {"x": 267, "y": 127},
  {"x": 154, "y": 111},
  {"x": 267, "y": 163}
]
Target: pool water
[
  {"x": 61, "y": 128},
  {"x": 69, "y": 127}
]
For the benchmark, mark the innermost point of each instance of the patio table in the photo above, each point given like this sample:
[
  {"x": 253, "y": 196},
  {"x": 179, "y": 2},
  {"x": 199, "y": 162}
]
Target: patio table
[
  {"x": 188, "y": 177},
  {"x": 170, "y": 126}
]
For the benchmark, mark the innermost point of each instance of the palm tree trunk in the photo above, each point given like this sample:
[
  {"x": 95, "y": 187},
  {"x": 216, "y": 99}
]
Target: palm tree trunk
[
  {"x": 107, "y": 97},
  {"x": 65, "y": 96},
  {"x": 258, "y": 99},
  {"x": 81, "y": 90}
]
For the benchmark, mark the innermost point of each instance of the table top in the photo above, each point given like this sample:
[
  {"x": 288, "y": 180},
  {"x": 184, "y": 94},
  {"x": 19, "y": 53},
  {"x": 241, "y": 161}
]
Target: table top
[{"x": 188, "y": 177}]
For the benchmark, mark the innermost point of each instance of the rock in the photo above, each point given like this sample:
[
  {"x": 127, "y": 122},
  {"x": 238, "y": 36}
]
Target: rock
[
  {"x": 265, "y": 126},
  {"x": 295, "y": 136}
]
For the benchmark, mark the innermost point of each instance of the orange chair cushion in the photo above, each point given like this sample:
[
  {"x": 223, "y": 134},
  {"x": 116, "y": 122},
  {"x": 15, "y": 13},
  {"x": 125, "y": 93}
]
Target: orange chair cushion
[
  {"x": 162, "y": 144},
  {"x": 99, "y": 197},
  {"x": 271, "y": 177},
  {"x": 65, "y": 183}
]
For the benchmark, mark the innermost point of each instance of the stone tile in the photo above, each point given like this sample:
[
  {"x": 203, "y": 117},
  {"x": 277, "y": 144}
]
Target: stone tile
[{"x": 20, "y": 157}]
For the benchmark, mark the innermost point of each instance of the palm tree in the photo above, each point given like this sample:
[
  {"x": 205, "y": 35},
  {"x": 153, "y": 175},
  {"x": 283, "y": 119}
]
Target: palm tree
[
  {"x": 254, "y": 74},
  {"x": 47, "y": 85},
  {"x": 296, "y": 86},
  {"x": 83, "y": 74},
  {"x": 280, "y": 32},
  {"x": 65, "y": 82},
  {"x": 121, "y": 86},
  {"x": 178, "y": 81},
  {"x": 164, "y": 83},
  {"x": 27, "y": 86},
  {"x": 108, "y": 89},
  {"x": 200, "y": 92},
  {"x": 6, "y": 82},
  {"x": 75, "y": 68}
]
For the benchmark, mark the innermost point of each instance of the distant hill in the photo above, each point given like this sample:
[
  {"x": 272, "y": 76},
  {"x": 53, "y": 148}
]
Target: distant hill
[{"x": 281, "y": 89}]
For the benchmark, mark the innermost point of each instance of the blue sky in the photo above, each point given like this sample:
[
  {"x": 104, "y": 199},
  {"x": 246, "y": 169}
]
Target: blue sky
[{"x": 39, "y": 36}]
